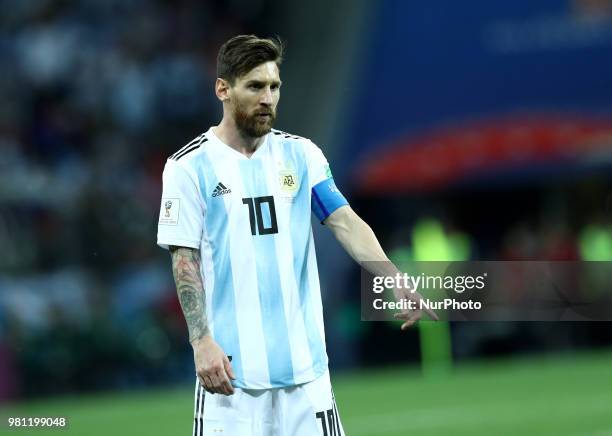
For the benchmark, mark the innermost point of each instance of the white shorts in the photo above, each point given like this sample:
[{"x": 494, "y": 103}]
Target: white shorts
[{"x": 304, "y": 410}]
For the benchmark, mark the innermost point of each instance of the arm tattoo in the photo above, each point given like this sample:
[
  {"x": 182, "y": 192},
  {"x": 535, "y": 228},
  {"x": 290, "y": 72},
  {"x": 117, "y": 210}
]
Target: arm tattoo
[{"x": 190, "y": 290}]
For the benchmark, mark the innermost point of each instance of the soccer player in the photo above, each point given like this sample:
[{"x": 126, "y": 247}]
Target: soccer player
[{"x": 236, "y": 217}]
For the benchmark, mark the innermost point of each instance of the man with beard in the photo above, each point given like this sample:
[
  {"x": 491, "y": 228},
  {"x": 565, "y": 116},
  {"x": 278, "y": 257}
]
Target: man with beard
[{"x": 235, "y": 214}]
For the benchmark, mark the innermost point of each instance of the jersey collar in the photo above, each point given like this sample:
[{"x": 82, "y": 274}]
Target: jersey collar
[{"x": 232, "y": 152}]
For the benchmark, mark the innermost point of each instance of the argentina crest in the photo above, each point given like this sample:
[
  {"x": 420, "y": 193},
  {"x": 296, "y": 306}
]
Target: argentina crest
[{"x": 288, "y": 182}]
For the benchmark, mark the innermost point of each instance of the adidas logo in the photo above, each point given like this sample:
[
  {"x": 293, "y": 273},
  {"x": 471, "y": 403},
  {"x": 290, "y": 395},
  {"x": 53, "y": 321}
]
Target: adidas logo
[{"x": 221, "y": 189}]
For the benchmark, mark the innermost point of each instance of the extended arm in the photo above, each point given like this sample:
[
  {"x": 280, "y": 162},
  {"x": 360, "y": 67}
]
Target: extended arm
[
  {"x": 212, "y": 365},
  {"x": 360, "y": 242}
]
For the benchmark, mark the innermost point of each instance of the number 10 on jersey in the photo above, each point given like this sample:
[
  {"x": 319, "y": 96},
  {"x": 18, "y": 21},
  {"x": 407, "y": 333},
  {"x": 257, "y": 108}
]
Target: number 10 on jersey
[{"x": 256, "y": 215}]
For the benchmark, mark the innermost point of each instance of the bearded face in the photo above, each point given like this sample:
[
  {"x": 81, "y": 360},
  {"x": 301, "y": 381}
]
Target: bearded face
[
  {"x": 254, "y": 123},
  {"x": 254, "y": 98}
]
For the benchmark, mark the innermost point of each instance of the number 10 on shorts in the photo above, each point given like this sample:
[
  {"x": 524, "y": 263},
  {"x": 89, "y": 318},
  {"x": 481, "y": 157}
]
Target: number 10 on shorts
[{"x": 329, "y": 420}]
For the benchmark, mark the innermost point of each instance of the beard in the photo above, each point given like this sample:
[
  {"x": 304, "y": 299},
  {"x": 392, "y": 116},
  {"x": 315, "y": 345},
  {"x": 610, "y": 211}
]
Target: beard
[{"x": 251, "y": 125}]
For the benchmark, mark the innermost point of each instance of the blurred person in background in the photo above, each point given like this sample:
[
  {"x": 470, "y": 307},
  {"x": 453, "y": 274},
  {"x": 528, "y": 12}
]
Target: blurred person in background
[{"x": 235, "y": 214}]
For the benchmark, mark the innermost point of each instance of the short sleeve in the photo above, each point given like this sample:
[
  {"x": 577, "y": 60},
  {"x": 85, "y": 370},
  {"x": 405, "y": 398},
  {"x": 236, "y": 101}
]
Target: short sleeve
[
  {"x": 181, "y": 213},
  {"x": 318, "y": 167},
  {"x": 326, "y": 197}
]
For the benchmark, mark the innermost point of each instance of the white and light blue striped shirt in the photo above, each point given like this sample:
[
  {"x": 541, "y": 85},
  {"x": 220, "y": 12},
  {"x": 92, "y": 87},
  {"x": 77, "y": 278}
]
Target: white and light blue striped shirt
[{"x": 251, "y": 219}]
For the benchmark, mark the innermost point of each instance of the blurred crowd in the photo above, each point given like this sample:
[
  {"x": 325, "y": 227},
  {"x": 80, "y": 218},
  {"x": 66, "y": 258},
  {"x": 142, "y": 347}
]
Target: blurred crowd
[{"x": 96, "y": 93}]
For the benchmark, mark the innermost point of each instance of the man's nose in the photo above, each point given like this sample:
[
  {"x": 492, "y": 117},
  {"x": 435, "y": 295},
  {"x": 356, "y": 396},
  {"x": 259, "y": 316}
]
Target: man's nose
[{"x": 266, "y": 96}]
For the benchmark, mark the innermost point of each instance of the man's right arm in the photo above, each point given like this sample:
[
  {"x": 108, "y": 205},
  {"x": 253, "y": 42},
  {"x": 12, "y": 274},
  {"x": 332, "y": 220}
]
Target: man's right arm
[
  {"x": 190, "y": 290},
  {"x": 212, "y": 365}
]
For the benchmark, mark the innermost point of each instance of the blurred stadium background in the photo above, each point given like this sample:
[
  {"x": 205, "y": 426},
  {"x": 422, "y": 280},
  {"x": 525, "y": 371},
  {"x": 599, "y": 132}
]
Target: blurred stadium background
[{"x": 459, "y": 130}]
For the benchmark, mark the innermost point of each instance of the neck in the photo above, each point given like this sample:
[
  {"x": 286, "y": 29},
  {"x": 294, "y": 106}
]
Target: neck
[{"x": 227, "y": 132}]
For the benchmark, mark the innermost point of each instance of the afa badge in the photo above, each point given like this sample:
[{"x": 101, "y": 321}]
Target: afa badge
[{"x": 288, "y": 180}]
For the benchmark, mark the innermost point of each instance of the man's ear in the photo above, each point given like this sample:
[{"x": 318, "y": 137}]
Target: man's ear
[{"x": 222, "y": 88}]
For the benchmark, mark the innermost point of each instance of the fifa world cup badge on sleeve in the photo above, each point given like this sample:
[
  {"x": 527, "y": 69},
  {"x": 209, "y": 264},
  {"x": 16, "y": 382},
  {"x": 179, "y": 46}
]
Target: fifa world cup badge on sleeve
[{"x": 169, "y": 213}]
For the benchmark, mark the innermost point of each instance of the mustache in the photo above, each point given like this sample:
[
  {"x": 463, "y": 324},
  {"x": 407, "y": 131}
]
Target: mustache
[{"x": 264, "y": 112}]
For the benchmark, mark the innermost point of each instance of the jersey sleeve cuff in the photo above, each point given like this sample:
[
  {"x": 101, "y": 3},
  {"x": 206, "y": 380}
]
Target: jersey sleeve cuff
[{"x": 166, "y": 242}]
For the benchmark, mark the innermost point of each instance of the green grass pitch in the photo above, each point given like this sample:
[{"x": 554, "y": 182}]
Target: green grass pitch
[{"x": 554, "y": 395}]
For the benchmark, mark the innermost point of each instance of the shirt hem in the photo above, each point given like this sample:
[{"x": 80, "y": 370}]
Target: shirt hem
[{"x": 318, "y": 372}]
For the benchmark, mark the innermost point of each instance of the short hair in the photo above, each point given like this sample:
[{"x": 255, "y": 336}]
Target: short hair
[{"x": 242, "y": 53}]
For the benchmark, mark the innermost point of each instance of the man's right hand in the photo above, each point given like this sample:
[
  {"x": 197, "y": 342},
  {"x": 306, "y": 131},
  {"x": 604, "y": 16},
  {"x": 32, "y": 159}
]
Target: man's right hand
[{"x": 213, "y": 368}]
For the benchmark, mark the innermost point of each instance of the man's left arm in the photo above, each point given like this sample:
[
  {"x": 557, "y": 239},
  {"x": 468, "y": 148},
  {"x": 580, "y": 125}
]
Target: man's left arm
[{"x": 360, "y": 242}]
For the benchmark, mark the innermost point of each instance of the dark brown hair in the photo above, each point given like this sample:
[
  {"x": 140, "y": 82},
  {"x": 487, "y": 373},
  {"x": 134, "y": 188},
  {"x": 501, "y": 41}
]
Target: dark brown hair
[{"x": 242, "y": 53}]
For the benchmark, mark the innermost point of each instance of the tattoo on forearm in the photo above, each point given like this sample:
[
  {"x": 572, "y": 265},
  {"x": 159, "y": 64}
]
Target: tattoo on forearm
[{"x": 190, "y": 290}]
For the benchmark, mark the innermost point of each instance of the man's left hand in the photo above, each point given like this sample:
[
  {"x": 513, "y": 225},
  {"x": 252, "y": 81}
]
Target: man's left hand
[{"x": 410, "y": 317}]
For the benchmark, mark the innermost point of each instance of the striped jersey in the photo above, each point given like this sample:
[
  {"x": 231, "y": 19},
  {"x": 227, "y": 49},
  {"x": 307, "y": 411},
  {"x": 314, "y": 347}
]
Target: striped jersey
[{"x": 251, "y": 220}]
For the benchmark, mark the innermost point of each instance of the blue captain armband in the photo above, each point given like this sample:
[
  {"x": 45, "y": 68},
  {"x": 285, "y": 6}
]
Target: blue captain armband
[{"x": 326, "y": 198}]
